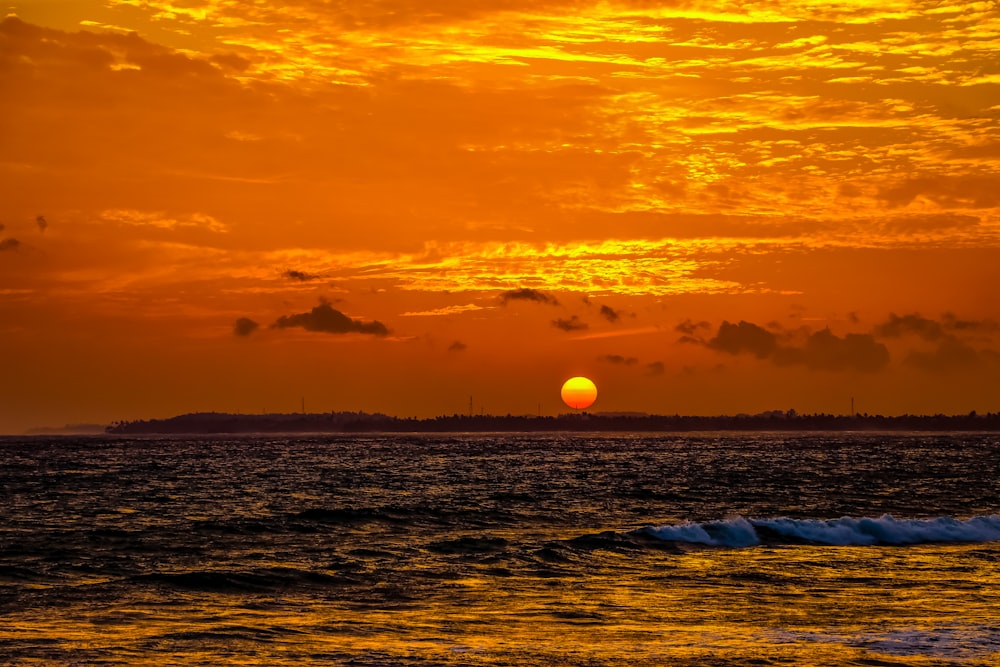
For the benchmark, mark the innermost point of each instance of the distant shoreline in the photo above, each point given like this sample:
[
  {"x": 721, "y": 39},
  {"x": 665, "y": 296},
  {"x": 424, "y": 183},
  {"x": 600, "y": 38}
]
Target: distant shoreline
[{"x": 212, "y": 423}]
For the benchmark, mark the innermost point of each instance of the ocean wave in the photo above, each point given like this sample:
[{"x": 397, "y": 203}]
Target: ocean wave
[
  {"x": 392, "y": 514},
  {"x": 739, "y": 532},
  {"x": 218, "y": 581},
  {"x": 469, "y": 545},
  {"x": 957, "y": 643}
]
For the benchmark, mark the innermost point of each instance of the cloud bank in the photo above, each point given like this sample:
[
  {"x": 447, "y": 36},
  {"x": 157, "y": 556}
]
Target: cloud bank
[
  {"x": 574, "y": 323},
  {"x": 822, "y": 350},
  {"x": 326, "y": 319},
  {"x": 528, "y": 294},
  {"x": 244, "y": 327}
]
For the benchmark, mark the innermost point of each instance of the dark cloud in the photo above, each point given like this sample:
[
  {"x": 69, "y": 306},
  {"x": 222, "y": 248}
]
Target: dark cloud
[
  {"x": 618, "y": 359},
  {"x": 951, "y": 322},
  {"x": 9, "y": 244},
  {"x": 42, "y": 223},
  {"x": 950, "y": 354},
  {"x": 231, "y": 61},
  {"x": 327, "y": 319},
  {"x": 572, "y": 324},
  {"x": 610, "y": 314},
  {"x": 690, "y": 327},
  {"x": 744, "y": 337},
  {"x": 931, "y": 330},
  {"x": 528, "y": 294},
  {"x": 1, "y": 226},
  {"x": 655, "y": 368},
  {"x": 822, "y": 350},
  {"x": 244, "y": 327},
  {"x": 457, "y": 346},
  {"x": 93, "y": 51},
  {"x": 300, "y": 276},
  {"x": 913, "y": 323}
]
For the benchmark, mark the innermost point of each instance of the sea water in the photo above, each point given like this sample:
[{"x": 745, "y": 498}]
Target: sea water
[{"x": 501, "y": 549}]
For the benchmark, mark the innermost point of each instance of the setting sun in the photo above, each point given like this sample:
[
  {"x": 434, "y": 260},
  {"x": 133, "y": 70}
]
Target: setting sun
[{"x": 579, "y": 393}]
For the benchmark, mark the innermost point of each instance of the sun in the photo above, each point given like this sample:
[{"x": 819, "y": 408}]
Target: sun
[{"x": 579, "y": 393}]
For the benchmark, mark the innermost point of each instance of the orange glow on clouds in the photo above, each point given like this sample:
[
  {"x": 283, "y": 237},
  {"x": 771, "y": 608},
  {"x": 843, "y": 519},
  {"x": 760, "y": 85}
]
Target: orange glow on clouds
[{"x": 513, "y": 190}]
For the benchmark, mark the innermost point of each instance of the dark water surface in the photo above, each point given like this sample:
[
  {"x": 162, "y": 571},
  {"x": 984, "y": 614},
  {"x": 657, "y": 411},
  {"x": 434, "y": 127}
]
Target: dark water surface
[{"x": 828, "y": 549}]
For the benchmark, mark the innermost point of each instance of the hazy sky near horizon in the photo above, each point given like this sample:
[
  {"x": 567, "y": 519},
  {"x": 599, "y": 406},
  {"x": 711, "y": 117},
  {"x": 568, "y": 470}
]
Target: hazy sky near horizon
[{"x": 706, "y": 207}]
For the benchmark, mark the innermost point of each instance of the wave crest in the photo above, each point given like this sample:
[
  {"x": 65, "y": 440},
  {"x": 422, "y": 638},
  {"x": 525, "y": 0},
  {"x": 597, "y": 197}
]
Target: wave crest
[{"x": 846, "y": 531}]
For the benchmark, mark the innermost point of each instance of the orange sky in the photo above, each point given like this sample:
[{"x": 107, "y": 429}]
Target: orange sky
[{"x": 706, "y": 207}]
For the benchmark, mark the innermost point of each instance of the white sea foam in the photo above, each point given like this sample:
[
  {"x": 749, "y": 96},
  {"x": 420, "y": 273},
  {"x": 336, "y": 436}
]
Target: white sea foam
[
  {"x": 886, "y": 530},
  {"x": 735, "y": 532},
  {"x": 846, "y": 531}
]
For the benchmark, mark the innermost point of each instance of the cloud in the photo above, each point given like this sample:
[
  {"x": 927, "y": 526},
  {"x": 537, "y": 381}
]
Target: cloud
[
  {"x": 951, "y": 354},
  {"x": 164, "y": 220},
  {"x": 617, "y": 333},
  {"x": 244, "y": 327},
  {"x": 572, "y": 324},
  {"x": 690, "y": 327},
  {"x": 926, "y": 223},
  {"x": 897, "y": 326},
  {"x": 528, "y": 294},
  {"x": 385, "y": 15},
  {"x": 618, "y": 359},
  {"x": 300, "y": 276},
  {"x": 952, "y": 323},
  {"x": 446, "y": 310},
  {"x": 42, "y": 223},
  {"x": 610, "y": 314},
  {"x": 744, "y": 337},
  {"x": 9, "y": 244},
  {"x": 655, "y": 368},
  {"x": 326, "y": 319},
  {"x": 457, "y": 346},
  {"x": 231, "y": 61},
  {"x": 822, "y": 350},
  {"x": 931, "y": 330},
  {"x": 849, "y": 190},
  {"x": 963, "y": 191},
  {"x": 1, "y": 227}
]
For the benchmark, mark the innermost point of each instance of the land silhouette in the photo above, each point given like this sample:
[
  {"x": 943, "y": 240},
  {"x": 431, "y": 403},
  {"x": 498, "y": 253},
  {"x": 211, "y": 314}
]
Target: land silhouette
[{"x": 362, "y": 422}]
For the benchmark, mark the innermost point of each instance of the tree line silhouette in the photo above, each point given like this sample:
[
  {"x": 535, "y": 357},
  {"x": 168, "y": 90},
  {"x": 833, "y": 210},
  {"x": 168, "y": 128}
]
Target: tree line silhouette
[{"x": 361, "y": 422}]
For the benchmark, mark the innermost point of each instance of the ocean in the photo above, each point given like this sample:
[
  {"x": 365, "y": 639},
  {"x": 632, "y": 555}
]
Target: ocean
[{"x": 501, "y": 549}]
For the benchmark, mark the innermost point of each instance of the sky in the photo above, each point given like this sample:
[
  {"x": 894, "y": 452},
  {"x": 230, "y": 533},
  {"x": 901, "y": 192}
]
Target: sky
[{"x": 706, "y": 207}]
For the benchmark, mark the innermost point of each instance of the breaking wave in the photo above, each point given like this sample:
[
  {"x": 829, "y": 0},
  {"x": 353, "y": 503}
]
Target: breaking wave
[{"x": 846, "y": 531}]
